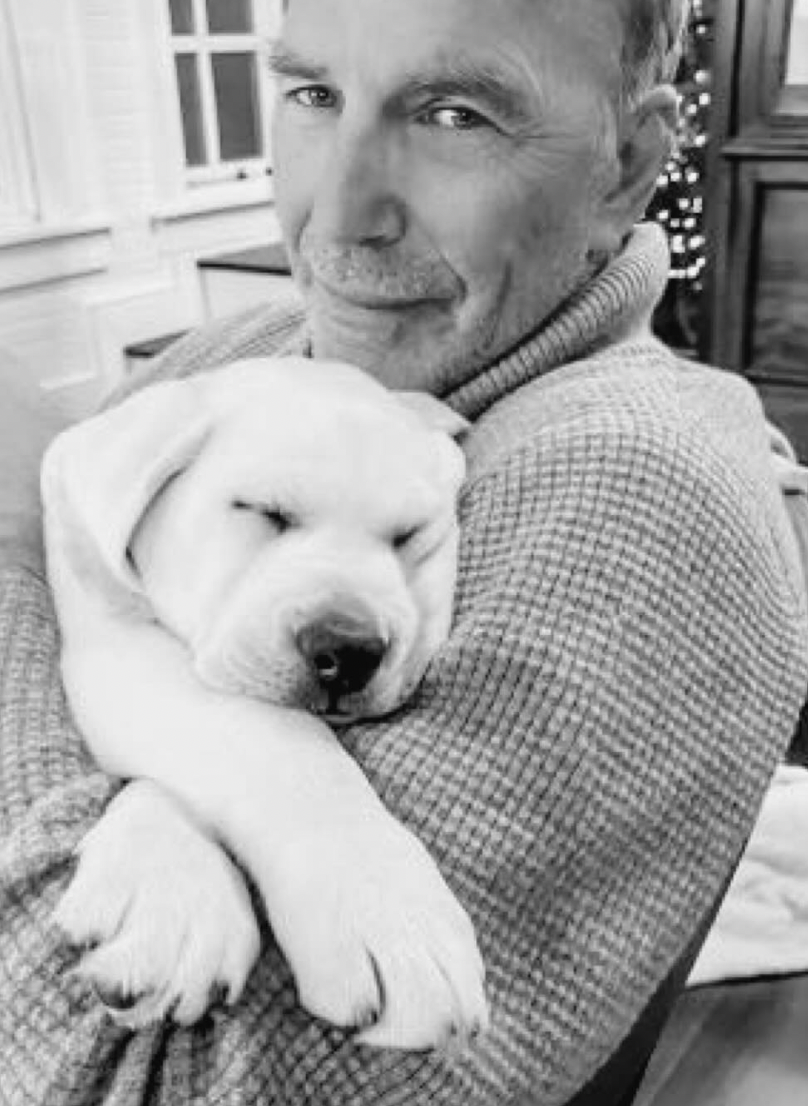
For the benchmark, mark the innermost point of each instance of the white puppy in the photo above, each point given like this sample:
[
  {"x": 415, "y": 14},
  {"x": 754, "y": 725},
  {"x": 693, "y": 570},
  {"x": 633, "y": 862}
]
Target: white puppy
[{"x": 237, "y": 558}]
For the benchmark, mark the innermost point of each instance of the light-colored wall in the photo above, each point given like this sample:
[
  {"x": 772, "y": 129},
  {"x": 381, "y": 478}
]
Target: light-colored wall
[{"x": 109, "y": 258}]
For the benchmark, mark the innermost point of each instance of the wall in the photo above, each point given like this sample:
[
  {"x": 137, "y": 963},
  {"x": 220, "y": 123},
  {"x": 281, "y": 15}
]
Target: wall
[{"x": 107, "y": 255}]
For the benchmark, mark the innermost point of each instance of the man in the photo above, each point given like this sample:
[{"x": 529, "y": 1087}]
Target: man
[{"x": 458, "y": 183}]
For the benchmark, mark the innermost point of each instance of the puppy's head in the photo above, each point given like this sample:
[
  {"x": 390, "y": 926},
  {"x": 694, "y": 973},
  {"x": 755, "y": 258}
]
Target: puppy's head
[{"x": 291, "y": 521}]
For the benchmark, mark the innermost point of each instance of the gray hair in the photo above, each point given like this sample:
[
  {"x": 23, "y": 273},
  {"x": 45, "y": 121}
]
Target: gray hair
[{"x": 654, "y": 30}]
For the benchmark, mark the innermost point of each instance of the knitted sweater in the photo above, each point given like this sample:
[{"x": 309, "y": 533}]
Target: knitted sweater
[{"x": 585, "y": 757}]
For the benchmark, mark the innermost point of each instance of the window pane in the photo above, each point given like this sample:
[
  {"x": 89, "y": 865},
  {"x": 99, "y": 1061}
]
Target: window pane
[
  {"x": 234, "y": 78},
  {"x": 229, "y": 16},
  {"x": 182, "y": 16},
  {"x": 797, "y": 66},
  {"x": 191, "y": 106}
]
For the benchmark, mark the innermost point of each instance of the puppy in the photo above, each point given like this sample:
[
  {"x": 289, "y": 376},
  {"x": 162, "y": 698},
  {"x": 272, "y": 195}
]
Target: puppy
[{"x": 238, "y": 560}]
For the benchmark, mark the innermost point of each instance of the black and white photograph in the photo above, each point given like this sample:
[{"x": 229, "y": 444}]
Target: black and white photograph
[{"x": 403, "y": 552}]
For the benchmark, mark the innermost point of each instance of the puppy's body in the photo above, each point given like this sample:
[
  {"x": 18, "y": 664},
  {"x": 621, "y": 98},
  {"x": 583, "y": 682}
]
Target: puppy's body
[{"x": 234, "y": 559}]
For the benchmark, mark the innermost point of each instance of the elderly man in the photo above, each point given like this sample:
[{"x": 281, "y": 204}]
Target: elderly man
[{"x": 458, "y": 183}]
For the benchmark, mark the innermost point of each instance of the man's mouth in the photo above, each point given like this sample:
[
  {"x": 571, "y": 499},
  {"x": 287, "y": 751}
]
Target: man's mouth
[
  {"x": 364, "y": 278},
  {"x": 370, "y": 299}
]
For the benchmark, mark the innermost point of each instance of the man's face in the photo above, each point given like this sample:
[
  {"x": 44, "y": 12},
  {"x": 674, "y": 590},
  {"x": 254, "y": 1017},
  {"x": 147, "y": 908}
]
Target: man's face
[{"x": 440, "y": 167}]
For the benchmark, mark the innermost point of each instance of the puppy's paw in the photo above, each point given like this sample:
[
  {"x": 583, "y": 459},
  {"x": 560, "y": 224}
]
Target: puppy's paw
[
  {"x": 163, "y": 911},
  {"x": 376, "y": 939}
]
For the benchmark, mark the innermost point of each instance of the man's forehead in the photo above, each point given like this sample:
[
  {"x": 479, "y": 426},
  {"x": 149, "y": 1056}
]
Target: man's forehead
[
  {"x": 512, "y": 42},
  {"x": 499, "y": 49}
]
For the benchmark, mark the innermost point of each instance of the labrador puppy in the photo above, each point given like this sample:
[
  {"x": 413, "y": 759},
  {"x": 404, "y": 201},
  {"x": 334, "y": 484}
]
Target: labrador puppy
[{"x": 241, "y": 561}]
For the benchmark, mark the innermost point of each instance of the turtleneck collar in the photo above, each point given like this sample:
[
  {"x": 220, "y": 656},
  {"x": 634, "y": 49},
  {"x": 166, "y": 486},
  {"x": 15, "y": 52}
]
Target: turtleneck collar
[{"x": 617, "y": 302}]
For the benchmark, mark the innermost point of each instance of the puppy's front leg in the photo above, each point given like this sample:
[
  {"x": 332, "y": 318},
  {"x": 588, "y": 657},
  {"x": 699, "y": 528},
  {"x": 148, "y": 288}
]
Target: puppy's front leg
[
  {"x": 372, "y": 933},
  {"x": 162, "y": 910},
  {"x": 244, "y": 767}
]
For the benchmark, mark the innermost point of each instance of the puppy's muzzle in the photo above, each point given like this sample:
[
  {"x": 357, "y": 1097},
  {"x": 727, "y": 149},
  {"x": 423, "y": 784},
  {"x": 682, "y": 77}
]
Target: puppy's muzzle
[{"x": 342, "y": 654}]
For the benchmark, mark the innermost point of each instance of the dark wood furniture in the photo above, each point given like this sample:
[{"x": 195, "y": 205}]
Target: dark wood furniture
[{"x": 756, "y": 310}]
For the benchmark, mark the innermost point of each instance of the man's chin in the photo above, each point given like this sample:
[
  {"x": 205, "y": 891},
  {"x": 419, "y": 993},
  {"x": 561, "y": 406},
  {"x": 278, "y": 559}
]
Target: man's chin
[{"x": 398, "y": 348}]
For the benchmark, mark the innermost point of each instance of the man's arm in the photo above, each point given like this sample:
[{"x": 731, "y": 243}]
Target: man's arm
[
  {"x": 584, "y": 761},
  {"x": 588, "y": 756}
]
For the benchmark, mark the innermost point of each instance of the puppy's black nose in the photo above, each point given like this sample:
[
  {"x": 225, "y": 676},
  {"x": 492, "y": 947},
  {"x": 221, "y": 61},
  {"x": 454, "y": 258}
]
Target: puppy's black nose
[{"x": 343, "y": 660}]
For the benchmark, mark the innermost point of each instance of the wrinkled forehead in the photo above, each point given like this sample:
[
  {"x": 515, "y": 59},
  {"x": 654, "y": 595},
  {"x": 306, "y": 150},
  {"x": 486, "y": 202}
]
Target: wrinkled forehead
[{"x": 533, "y": 43}]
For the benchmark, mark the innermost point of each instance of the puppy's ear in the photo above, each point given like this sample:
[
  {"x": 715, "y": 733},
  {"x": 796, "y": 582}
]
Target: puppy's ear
[
  {"x": 440, "y": 417},
  {"x": 435, "y": 413},
  {"x": 100, "y": 476}
]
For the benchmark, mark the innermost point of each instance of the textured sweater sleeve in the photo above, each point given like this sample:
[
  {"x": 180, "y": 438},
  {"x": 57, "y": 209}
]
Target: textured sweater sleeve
[
  {"x": 27, "y": 423},
  {"x": 585, "y": 759},
  {"x": 588, "y": 756}
]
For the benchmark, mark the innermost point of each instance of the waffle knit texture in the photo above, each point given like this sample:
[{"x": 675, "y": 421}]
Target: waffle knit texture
[{"x": 584, "y": 759}]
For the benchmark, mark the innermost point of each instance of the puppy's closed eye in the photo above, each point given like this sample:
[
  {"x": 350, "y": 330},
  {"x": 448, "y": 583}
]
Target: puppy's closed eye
[
  {"x": 278, "y": 519},
  {"x": 402, "y": 538}
]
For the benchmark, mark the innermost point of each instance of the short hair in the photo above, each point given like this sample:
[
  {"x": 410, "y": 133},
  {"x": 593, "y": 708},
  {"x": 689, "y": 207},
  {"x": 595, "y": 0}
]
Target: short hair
[{"x": 652, "y": 45}]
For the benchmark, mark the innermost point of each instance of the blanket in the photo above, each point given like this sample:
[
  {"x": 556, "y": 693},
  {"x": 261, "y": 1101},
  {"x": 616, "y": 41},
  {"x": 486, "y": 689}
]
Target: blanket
[{"x": 762, "y": 926}]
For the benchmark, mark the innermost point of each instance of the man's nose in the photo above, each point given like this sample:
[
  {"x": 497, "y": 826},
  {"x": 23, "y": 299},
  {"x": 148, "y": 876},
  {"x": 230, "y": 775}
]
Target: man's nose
[
  {"x": 343, "y": 658},
  {"x": 358, "y": 201}
]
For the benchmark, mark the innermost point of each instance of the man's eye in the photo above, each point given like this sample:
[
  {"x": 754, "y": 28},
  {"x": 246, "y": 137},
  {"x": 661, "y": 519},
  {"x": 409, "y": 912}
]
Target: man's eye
[
  {"x": 312, "y": 96},
  {"x": 455, "y": 119}
]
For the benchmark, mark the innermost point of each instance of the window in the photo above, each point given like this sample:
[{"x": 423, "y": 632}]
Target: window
[
  {"x": 223, "y": 88},
  {"x": 797, "y": 63},
  {"x": 17, "y": 197}
]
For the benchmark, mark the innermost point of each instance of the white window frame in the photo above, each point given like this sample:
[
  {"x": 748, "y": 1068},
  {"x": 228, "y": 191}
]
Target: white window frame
[
  {"x": 19, "y": 206},
  {"x": 202, "y": 45},
  {"x": 54, "y": 223}
]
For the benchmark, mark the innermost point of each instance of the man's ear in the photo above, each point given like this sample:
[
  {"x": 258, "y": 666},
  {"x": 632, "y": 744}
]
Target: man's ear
[{"x": 645, "y": 140}]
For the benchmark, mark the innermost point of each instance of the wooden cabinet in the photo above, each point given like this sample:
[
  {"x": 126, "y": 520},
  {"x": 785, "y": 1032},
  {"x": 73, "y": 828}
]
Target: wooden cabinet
[{"x": 756, "y": 317}]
